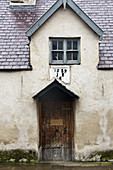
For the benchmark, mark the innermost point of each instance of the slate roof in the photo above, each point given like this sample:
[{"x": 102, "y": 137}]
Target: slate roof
[{"x": 14, "y": 45}]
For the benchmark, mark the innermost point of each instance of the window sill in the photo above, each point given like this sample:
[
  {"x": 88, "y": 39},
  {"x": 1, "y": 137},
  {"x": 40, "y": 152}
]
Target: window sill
[{"x": 64, "y": 63}]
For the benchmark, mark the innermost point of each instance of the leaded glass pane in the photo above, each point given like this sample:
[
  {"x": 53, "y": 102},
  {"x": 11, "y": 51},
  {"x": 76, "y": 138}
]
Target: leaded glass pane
[
  {"x": 60, "y": 45},
  {"x": 60, "y": 56},
  {"x": 54, "y": 56},
  {"x": 69, "y": 45},
  {"x": 54, "y": 45},
  {"x": 75, "y": 55},
  {"x": 75, "y": 45},
  {"x": 69, "y": 55}
]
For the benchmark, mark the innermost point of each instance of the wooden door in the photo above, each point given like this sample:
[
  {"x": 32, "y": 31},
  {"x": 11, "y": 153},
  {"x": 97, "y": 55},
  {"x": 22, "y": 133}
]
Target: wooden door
[{"x": 57, "y": 131}]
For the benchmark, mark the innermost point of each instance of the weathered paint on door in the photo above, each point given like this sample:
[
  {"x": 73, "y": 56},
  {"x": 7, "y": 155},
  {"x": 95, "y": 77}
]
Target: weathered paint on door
[{"x": 57, "y": 131}]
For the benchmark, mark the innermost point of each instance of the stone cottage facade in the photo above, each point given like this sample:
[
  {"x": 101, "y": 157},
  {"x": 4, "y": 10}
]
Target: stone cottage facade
[{"x": 56, "y": 61}]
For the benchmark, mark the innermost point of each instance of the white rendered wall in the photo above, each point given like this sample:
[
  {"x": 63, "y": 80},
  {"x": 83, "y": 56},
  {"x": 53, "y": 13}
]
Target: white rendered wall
[{"x": 94, "y": 109}]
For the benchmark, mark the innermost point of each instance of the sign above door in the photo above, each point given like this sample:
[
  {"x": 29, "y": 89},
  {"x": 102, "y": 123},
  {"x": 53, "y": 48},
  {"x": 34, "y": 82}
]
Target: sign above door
[{"x": 60, "y": 72}]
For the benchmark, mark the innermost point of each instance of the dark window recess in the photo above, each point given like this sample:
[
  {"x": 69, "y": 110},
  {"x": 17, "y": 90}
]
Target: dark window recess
[
  {"x": 17, "y": 1},
  {"x": 65, "y": 51}
]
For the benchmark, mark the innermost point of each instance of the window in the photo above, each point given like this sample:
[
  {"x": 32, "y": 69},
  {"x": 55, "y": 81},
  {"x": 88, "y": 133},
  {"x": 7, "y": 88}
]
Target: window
[
  {"x": 22, "y": 2},
  {"x": 64, "y": 51}
]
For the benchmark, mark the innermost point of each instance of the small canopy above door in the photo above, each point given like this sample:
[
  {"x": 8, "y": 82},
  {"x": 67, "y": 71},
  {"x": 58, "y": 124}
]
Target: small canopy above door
[{"x": 55, "y": 92}]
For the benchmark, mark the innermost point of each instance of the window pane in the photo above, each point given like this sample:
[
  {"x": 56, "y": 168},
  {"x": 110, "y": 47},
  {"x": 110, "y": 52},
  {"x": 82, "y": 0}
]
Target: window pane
[
  {"x": 75, "y": 55},
  {"x": 60, "y": 45},
  {"x": 72, "y": 55},
  {"x": 60, "y": 56},
  {"x": 57, "y": 55},
  {"x": 54, "y": 45},
  {"x": 69, "y": 55},
  {"x": 69, "y": 45},
  {"x": 54, "y": 56},
  {"x": 74, "y": 45}
]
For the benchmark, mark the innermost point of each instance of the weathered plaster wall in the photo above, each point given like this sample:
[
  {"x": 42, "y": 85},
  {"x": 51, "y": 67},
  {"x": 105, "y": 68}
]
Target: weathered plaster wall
[
  {"x": 18, "y": 117},
  {"x": 93, "y": 114}
]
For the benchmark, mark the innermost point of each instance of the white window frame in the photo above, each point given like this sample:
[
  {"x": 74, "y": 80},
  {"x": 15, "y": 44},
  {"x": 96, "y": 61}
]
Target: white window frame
[{"x": 64, "y": 61}]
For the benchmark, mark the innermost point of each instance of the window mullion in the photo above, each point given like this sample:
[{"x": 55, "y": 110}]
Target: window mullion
[{"x": 65, "y": 49}]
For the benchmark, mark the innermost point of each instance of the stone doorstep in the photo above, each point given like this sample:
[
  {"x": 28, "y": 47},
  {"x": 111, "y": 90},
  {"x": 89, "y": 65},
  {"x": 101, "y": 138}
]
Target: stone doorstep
[{"x": 77, "y": 164}]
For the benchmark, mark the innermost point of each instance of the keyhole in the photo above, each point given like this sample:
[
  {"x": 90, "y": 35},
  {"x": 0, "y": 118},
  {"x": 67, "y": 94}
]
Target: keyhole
[
  {"x": 65, "y": 130},
  {"x": 56, "y": 130}
]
